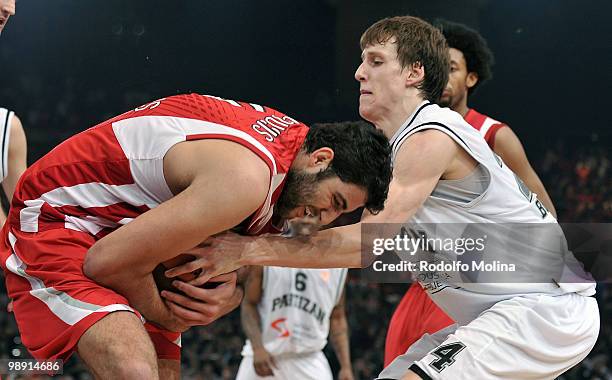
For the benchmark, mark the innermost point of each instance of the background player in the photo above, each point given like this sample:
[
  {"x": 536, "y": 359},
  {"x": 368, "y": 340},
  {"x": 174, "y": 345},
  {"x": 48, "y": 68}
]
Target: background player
[
  {"x": 470, "y": 67},
  {"x": 287, "y": 315},
  {"x": 443, "y": 172},
  {"x": 14, "y": 161},
  {"x": 169, "y": 173}
]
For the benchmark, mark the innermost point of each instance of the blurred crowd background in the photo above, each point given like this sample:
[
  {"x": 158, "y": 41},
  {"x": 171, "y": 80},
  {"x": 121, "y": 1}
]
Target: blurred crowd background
[{"x": 67, "y": 65}]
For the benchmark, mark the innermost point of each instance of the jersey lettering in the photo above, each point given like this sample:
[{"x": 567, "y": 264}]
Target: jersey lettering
[{"x": 446, "y": 355}]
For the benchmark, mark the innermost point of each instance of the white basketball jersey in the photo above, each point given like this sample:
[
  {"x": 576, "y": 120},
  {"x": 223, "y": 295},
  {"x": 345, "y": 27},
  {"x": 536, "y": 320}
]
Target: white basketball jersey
[
  {"x": 295, "y": 308},
  {"x": 6, "y": 118},
  {"x": 505, "y": 199}
]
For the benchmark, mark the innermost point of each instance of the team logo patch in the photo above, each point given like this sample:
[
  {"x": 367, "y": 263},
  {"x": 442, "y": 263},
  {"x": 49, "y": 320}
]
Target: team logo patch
[{"x": 279, "y": 325}]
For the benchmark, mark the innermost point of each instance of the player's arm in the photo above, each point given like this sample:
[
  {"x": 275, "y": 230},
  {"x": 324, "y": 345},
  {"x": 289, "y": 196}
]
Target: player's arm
[
  {"x": 17, "y": 161},
  {"x": 339, "y": 337},
  {"x": 223, "y": 183},
  {"x": 420, "y": 163},
  {"x": 508, "y": 146},
  {"x": 251, "y": 322}
]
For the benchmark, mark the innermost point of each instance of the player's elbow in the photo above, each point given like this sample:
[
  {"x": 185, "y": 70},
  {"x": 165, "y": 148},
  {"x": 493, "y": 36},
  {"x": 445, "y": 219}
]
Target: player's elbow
[
  {"x": 97, "y": 268},
  {"x": 92, "y": 267}
]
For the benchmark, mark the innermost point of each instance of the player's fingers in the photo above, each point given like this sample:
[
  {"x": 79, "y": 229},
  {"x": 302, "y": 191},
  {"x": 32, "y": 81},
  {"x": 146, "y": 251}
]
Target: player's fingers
[
  {"x": 189, "y": 317},
  {"x": 185, "y": 302},
  {"x": 188, "y": 267},
  {"x": 220, "y": 294},
  {"x": 227, "y": 277},
  {"x": 204, "y": 278},
  {"x": 262, "y": 369}
]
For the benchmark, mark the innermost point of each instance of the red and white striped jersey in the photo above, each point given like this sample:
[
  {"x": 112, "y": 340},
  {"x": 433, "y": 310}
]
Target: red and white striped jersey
[
  {"x": 106, "y": 176},
  {"x": 486, "y": 125}
]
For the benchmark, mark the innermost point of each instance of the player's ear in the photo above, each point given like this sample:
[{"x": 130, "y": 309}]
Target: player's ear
[
  {"x": 471, "y": 79},
  {"x": 320, "y": 158},
  {"x": 414, "y": 74}
]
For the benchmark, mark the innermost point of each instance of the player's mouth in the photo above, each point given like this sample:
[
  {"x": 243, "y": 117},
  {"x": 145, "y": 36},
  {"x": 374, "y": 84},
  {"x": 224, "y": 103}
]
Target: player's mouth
[{"x": 365, "y": 92}]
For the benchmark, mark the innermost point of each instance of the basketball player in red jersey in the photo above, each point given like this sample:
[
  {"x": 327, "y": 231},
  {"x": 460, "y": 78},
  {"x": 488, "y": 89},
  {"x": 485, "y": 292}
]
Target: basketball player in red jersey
[
  {"x": 7, "y": 9},
  {"x": 470, "y": 66},
  {"x": 91, "y": 220}
]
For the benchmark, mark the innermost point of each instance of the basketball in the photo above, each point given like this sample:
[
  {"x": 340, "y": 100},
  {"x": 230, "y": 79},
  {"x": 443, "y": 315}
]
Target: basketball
[{"x": 165, "y": 283}]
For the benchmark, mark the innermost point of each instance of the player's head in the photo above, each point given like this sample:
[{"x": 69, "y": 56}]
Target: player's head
[
  {"x": 7, "y": 9},
  {"x": 400, "y": 56},
  {"x": 342, "y": 166},
  {"x": 471, "y": 61}
]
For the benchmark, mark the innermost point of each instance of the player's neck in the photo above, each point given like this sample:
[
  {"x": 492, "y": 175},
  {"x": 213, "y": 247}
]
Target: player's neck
[
  {"x": 462, "y": 108},
  {"x": 392, "y": 121}
]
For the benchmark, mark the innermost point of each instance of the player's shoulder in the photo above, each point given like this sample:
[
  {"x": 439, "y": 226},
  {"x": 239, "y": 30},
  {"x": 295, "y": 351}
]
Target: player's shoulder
[
  {"x": 434, "y": 114},
  {"x": 479, "y": 119}
]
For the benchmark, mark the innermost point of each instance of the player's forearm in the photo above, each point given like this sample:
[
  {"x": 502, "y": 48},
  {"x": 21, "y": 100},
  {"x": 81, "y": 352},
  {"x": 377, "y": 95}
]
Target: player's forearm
[
  {"x": 140, "y": 291},
  {"x": 251, "y": 322},
  {"x": 339, "y": 338},
  {"x": 534, "y": 183},
  {"x": 2, "y": 217},
  {"x": 333, "y": 248}
]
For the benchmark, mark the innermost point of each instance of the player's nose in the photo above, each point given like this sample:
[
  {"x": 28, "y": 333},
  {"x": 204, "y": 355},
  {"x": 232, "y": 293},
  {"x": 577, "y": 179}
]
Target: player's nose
[{"x": 360, "y": 73}]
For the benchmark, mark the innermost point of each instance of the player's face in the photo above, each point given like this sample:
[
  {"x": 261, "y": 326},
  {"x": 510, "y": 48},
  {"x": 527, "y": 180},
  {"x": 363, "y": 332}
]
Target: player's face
[
  {"x": 7, "y": 9},
  {"x": 381, "y": 81},
  {"x": 317, "y": 198},
  {"x": 456, "y": 89}
]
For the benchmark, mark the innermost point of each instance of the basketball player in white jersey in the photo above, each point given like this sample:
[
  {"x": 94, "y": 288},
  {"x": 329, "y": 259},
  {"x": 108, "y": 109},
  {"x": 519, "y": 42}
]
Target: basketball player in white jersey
[
  {"x": 443, "y": 172},
  {"x": 13, "y": 153},
  {"x": 7, "y": 9},
  {"x": 287, "y": 315}
]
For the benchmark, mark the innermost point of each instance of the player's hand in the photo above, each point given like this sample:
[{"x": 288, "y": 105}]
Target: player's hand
[
  {"x": 9, "y": 307},
  {"x": 216, "y": 256},
  {"x": 198, "y": 307},
  {"x": 263, "y": 362},
  {"x": 345, "y": 374}
]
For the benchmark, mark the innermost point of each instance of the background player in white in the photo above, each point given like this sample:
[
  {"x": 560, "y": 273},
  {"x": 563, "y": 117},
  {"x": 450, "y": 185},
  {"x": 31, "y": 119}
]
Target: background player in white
[
  {"x": 13, "y": 154},
  {"x": 443, "y": 171},
  {"x": 287, "y": 315}
]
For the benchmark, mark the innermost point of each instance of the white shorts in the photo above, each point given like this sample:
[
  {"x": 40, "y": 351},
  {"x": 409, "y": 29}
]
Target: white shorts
[
  {"x": 528, "y": 337},
  {"x": 312, "y": 366}
]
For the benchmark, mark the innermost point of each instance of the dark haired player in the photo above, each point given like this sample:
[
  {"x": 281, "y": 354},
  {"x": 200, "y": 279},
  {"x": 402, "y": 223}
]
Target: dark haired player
[{"x": 91, "y": 220}]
